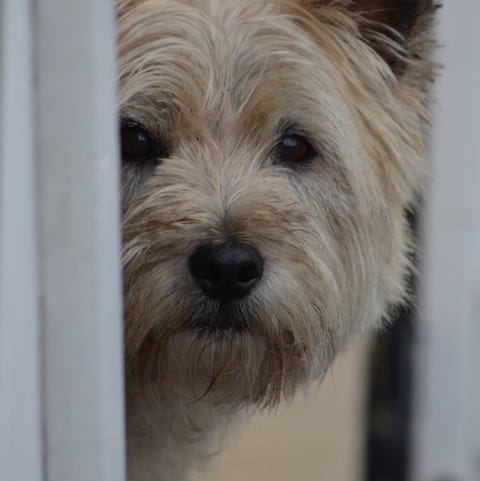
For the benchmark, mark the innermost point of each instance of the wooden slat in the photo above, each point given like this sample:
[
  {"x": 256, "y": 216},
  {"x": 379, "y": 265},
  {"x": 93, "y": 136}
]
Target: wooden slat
[
  {"x": 78, "y": 199},
  {"x": 447, "y": 424},
  {"x": 20, "y": 414}
]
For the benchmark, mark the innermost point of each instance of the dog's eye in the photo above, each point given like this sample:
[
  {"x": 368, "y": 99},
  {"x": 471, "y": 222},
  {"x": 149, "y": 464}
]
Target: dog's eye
[
  {"x": 136, "y": 144},
  {"x": 294, "y": 149}
]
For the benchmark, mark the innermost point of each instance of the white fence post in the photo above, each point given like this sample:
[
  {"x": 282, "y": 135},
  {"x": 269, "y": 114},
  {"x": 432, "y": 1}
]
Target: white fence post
[
  {"x": 20, "y": 411},
  {"x": 79, "y": 240},
  {"x": 447, "y": 424}
]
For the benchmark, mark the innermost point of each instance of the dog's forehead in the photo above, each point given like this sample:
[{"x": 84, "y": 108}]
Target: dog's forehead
[
  {"x": 211, "y": 56},
  {"x": 217, "y": 10}
]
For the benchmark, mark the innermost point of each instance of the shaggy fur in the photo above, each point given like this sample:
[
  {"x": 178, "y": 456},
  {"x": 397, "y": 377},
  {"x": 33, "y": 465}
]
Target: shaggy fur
[{"x": 217, "y": 84}]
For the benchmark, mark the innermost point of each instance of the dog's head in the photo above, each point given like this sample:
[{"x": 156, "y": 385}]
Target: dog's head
[{"x": 269, "y": 150}]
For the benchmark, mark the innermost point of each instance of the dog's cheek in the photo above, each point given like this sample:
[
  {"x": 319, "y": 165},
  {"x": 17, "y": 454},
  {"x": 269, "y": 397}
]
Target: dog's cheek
[{"x": 356, "y": 250}]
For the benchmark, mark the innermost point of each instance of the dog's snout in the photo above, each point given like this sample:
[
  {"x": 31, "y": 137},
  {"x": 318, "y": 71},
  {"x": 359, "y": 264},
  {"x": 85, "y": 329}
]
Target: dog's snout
[{"x": 226, "y": 272}]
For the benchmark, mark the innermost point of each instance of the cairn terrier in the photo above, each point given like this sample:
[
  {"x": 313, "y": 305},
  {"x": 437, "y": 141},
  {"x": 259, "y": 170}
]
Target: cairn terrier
[{"x": 270, "y": 149}]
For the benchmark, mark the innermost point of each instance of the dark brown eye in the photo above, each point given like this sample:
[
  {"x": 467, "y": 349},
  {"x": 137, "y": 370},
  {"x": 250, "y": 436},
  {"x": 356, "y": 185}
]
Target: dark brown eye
[
  {"x": 136, "y": 144},
  {"x": 294, "y": 149}
]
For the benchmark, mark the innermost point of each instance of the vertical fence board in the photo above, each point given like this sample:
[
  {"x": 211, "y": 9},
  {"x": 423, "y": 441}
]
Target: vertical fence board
[
  {"x": 20, "y": 413},
  {"x": 79, "y": 240},
  {"x": 447, "y": 444}
]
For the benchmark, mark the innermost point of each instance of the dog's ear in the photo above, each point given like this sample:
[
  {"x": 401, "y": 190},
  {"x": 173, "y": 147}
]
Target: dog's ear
[
  {"x": 400, "y": 16},
  {"x": 396, "y": 29}
]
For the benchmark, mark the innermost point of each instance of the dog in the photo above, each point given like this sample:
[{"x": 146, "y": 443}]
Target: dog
[{"x": 270, "y": 151}]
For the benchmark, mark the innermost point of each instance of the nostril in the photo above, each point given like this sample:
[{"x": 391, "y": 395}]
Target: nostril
[
  {"x": 202, "y": 268},
  {"x": 227, "y": 271},
  {"x": 250, "y": 271},
  {"x": 205, "y": 273},
  {"x": 247, "y": 273}
]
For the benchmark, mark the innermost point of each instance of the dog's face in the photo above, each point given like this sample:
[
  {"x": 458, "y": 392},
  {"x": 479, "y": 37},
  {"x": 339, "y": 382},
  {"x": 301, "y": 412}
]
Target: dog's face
[{"x": 268, "y": 153}]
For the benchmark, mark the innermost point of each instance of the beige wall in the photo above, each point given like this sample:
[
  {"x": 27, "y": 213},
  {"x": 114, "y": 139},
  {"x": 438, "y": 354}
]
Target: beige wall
[{"x": 314, "y": 439}]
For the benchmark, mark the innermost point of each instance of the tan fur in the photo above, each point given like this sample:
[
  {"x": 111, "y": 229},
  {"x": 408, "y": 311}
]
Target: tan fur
[{"x": 217, "y": 81}]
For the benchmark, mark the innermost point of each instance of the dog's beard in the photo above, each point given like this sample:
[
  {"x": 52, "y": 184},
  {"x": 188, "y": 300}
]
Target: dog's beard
[{"x": 232, "y": 355}]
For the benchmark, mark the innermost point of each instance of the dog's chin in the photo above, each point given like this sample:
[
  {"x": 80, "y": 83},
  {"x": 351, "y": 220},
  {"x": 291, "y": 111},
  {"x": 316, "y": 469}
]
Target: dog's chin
[{"x": 227, "y": 359}]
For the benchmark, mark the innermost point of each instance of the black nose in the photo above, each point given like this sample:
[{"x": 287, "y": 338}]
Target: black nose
[{"x": 226, "y": 272}]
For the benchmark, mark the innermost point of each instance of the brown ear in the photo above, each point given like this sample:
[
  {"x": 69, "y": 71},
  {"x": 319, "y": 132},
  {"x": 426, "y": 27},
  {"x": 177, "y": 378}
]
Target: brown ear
[
  {"x": 399, "y": 15},
  {"x": 396, "y": 29}
]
